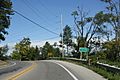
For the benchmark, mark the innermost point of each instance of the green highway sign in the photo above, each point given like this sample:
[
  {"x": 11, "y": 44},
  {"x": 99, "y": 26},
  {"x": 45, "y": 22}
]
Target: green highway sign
[{"x": 84, "y": 49}]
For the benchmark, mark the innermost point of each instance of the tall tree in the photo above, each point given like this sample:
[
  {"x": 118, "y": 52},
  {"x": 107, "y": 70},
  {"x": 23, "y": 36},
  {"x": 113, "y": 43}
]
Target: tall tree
[
  {"x": 87, "y": 27},
  {"x": 49, "y": 51},
  {"x": 5, "y": 12},
  {"x": 111, "y": 17},
  {"x": 56, "y": 52},
  {"x": 22, "y": 48},
  {"x": 37, "y": 53},
  {"x": 33, "y": 54},
  {"x": 67, "y": 36},
  {"x": 45, "y": 50},
  {"x": 16, "y": 55},
  {"x": 110, "y": 50}
]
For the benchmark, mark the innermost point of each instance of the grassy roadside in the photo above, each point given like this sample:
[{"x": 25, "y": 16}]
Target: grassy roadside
[{"x": 102, "y": 71}]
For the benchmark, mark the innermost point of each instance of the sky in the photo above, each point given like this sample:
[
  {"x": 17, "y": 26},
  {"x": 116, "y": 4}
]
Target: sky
[{"x": 46, "y": 13}]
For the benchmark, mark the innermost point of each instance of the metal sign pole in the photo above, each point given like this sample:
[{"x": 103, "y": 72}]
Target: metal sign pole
[{"x": 87, "y": 56}]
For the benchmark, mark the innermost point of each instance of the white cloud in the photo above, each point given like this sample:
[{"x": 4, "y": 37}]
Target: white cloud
[{"x": 41, "y": 43}]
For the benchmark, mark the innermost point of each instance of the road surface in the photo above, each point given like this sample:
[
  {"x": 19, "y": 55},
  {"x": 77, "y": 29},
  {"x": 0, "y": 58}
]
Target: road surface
[{"x": 54, "y": 70}]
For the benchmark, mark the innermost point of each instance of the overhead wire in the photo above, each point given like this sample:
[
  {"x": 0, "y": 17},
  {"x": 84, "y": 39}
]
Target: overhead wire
[
  {"x": 50, "y": 12},
  {"x": 47, "y": 9},
  {"x": 35, "y": 10},
  {"x": 35, "y": 23},
  {"x": 50, "y": 38}
]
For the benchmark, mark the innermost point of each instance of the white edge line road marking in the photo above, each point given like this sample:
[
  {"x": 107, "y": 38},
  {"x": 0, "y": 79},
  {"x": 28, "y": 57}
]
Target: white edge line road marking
[
  {"x": 5, "y": 66},
  {"x": 72, "y": 75}
]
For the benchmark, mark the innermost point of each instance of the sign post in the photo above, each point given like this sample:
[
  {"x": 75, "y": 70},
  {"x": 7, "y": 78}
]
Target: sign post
[
  {"x": 85, "y": 50},
  {"x": 81, "y": 55}
]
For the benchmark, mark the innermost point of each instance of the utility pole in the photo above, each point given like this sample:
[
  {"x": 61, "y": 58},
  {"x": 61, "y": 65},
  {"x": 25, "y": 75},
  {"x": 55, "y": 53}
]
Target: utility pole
[{"x": 62, "y": 36}]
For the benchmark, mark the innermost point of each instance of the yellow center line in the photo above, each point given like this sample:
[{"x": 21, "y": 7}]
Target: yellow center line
[{"x": 14, "y": 77}]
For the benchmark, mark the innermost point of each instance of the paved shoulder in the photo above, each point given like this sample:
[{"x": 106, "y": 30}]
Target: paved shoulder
[{"x": 80, "y": 72}]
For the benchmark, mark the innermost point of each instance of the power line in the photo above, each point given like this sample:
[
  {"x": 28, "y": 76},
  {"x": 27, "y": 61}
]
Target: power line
[
  {"x": 50, "y": 38},
  {"x": 37, "y": 11},
  {"x": 35, "y": 23},
  {"x": 43, "y": 5},
  {"x": 34, "y": 10}
]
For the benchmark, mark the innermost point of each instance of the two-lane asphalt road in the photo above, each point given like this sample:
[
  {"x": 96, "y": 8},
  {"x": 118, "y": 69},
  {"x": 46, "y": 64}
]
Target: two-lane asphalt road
[
  {"x": 55, "y": 70},
  {"x": 48, "y": 70}
]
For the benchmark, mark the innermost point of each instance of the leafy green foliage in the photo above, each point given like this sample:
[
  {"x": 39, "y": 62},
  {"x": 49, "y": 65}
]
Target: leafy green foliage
[
  {"x": 67, "y": 36},
  {"x": 46, "y": 50},
  {"x": 16, "y": 55},
  {"x": 112, "y": 15},
  {"x": 5, "y": 12},
  {"x": 88, "y": 27},
  {"x": 23, "y": 51},
  {"x": 3, "y": 51},
  {"x": 57, "y": 52},
  {"x": 111, "y": 49},
  {"x": 49, "y": 51},
  {"x": 22, "y": 48},
  {"x": 33, "y": 53}
]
